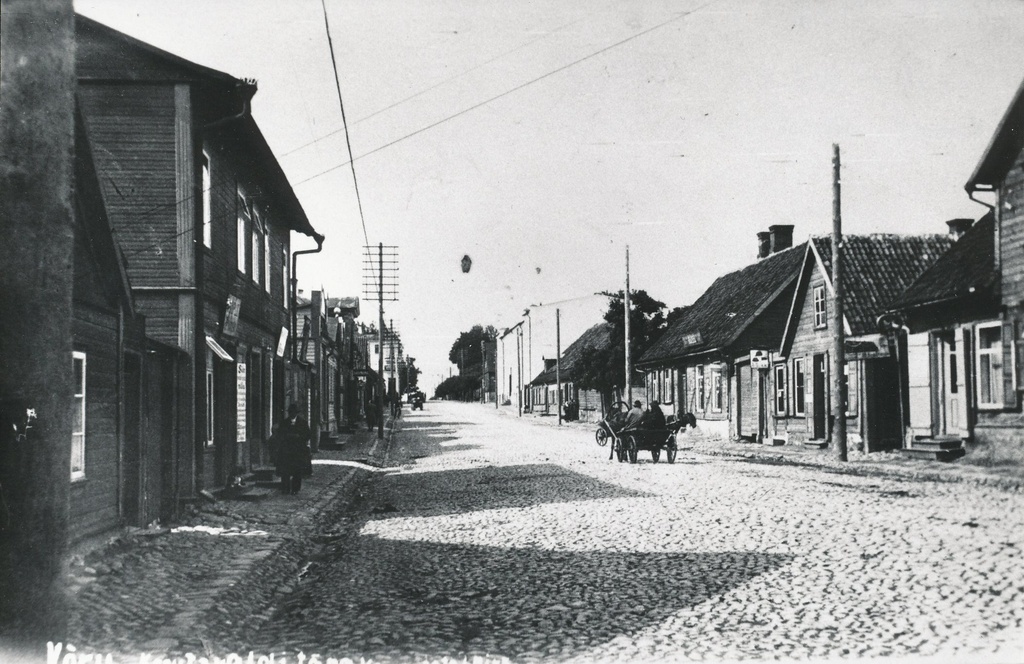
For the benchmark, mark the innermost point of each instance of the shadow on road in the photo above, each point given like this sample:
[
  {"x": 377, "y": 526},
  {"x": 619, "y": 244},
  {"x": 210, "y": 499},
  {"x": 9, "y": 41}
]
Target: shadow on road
[
  {"x": 415, "y": 493},
  {"x": 433, "y": 599}
]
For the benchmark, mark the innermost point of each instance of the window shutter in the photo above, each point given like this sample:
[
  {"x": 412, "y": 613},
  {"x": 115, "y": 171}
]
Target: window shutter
[{"x": 1009, "y": 363}]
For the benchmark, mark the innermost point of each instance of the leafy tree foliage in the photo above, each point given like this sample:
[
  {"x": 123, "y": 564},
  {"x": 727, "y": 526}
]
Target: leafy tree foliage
[
  {"x": 467, "y": 351},
  {"x": 603, "y": 369},
  {"x": 457, "y": 388},
  {"x": 409, "y": 378}
]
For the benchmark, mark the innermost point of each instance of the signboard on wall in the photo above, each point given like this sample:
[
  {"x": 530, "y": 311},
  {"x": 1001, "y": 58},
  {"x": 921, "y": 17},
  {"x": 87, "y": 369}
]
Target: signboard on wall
[
  {"x": 760, "y": 359},
  {"x": 231, "y": 312},
  {"x": 282, "y": 342},
  {"x": 240, "y": 400}
]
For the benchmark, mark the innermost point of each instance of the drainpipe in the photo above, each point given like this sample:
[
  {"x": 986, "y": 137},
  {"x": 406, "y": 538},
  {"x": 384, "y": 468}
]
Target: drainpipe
[{"x": 295, "y": 256}]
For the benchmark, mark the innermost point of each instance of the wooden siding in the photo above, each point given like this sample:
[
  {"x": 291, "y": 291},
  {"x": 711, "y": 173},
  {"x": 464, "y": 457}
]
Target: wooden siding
[
  {"x": 1011, "y": 234},
  {"x": 132, "y": 128},
  {"x": 94, "y": 506}
]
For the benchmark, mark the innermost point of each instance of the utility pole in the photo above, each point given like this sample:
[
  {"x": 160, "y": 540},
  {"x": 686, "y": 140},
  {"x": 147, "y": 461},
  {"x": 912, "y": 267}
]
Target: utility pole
[
  {"x": 519, "y": 362},
  {"x": 629, "y": 366},
  {"x": 558, "y": 361},
  {"x": 381, "y": 284},
  {"x": 838, "y": 333}
]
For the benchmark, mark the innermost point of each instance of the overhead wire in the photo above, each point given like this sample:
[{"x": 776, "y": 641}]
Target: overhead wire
[
  {"x": 433, "y": 87},
  {"x": 507, "y": 92},
  {"x": 348, "y": 141}
]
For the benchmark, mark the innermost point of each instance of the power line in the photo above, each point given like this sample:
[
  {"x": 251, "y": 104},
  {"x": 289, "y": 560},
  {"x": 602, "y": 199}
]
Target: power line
[
  {"x": 507, "y": 92},
  {"x": 432, "y": 87},
  {"x": 348, "y": 141}
]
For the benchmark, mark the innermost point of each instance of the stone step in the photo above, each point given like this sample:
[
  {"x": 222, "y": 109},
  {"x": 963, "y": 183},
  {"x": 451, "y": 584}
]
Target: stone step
[
  {"x": 263, "y": 473},
  {"x": 936, "y": 444},
  {"x": 933, "y": 454},
  {"x": 816, "y": 444}
]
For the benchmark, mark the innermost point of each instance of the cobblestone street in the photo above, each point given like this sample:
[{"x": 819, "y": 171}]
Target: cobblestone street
[{"x": 499, "y": 537}]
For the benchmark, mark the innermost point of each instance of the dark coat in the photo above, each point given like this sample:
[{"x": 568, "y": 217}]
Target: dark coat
[{"x": 293, "y": 456}]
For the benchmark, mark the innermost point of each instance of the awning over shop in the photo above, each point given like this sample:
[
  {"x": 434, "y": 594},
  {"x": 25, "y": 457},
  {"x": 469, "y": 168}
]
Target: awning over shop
[{"x": 218, "y": 350}]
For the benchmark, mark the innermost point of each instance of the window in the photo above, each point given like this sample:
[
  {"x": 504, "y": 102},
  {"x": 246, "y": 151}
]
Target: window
[
  {"x": 266, "y": 263},
  {"x": 700, "y": 387},
  {"x": 207, "y": 202},
  {"x": 780, "y": 390},
  {"x": 953, "y": 375},
  {"x": 820, "y": 314},
  {"x": 665, "y": 385},
  {"x": 243, "y": 230},
  {"x": 682, "y": 389},
  {"x": 257, "y": 245},
  {"x": 209, "y": 398},
  {"x": 284, "y": 275},
  {"x": 78, "y": 418},
  {"x": 990, "y": 375},
  {"x": 799, "y": 386},
  {"x": 716, "y": 389}
]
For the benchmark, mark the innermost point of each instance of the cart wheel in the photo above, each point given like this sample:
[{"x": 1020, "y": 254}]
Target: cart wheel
[
  {"x": 655, "y": 455},
  {"x": 631, "y": 449},
  {"x": 601, "y": 436},
  {"x": 670, "y": 451}
]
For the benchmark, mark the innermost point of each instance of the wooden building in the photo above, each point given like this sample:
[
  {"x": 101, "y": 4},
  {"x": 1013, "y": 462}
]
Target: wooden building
[
  {"x": 942, "y": 313},
  {"x": 702, "y": 364},
  {"x": 545, "y": 385},
  {"x": 876, "y": 270},
  {"x": 126, "y": 444},
  {"x": 204, "y": 213},
  {"x": 999, "y": 345}
]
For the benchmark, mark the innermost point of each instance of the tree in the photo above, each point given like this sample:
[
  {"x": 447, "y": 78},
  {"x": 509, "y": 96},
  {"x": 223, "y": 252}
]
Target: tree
[
  {"x": 409, "y": 375},
  {"x": 467, "y": 351},
  {"x": 603, "y": 368}
]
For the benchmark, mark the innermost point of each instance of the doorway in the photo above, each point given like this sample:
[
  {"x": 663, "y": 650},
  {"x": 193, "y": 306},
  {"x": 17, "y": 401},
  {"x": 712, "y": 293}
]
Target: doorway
[{"x": 820, "y": 367}]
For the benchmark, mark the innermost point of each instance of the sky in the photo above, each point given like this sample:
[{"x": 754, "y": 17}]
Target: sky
[{"x": 542, "y": 138}]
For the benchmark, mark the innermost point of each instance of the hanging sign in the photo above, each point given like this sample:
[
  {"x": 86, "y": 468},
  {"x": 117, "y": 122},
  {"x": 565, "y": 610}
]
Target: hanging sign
[
  {"x": 231, "y": 311},
  {"x": 760, "y": 359},
  {"x": 282, "y": 342}
]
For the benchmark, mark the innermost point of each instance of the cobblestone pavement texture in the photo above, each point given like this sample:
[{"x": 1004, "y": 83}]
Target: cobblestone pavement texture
[
  {"x": 494, "y": 536},
  {"x": 173, "y": 590},
  {"x": 500, "y": 538}
]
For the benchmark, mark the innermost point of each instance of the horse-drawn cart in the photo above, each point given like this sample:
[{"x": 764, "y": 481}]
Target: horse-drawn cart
[{"x": 626, "y": 443}]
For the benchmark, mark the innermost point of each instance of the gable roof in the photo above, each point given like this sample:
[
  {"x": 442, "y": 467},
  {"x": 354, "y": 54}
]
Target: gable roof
[
  {"x": 727, "y": 307},
  {"x": 876, "y": 270},
  {"x": 1003, "y": 149},
  {"x": 105, "y": 54},
  {"x": 598, "y": 336},
  {"x": 968, "y": 268},
  {"x": 91, "y": 215}
]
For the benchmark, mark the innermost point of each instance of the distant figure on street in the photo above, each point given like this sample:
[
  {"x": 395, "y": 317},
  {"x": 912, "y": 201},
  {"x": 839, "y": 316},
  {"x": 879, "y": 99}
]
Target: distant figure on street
[
  {"x": 396, "y": 404},
  {"x": 371, "y": 415},
  {"x": 654, "y": 418},
  {"x": 634, "y": 415},
  {"x": 294, "y": 459}
]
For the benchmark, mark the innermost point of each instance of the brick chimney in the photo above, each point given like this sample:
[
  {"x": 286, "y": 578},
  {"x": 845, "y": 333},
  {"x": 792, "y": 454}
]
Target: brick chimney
[
  {"x": 957, "y": 227},
  {"x": 764, "y": 244},
  {"x": 781, "y": 237}
]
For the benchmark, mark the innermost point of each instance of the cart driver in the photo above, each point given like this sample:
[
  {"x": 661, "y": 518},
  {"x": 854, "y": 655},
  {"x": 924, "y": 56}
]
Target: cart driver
[
  {"x": 634, "y": 415},
  {"x": 654, "y": 418}
]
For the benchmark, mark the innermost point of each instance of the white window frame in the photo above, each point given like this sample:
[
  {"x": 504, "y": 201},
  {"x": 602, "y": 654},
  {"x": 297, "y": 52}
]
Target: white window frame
[
  {"x": 78, "y": 436},
  {"x": 996, "y": 368},
  {"x": 852, "y": 391},
  {"x": 257, "y": 247},
  {"x": 207, "y": 202},
  {"x": 266, "y": 262},
  {"x": 820, "y": 313},
  {"x": 781, "y": 390},
  {"x": 210, "y": 399},
  {"x": 284, "y": 275},
  {"x": 799, "y": 387},
  {"x": 717, "y": 402},
  {"x": 700, "y": 387},
  {"x": 242, "y": 232}
]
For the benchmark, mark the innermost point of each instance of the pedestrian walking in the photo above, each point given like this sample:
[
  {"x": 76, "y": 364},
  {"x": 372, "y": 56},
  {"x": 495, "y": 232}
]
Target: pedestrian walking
[{"x": 294, "y": 459}]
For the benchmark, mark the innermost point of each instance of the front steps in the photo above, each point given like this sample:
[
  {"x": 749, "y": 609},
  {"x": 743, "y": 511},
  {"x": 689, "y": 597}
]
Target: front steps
[{"x": 935, "y": 449}]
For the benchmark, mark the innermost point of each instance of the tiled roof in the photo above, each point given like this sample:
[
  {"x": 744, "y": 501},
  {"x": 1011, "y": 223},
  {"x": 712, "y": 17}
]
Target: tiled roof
[
  {"x": 597, "y": 336},
  {"x": 967, "y": 268},
  {"x": 877, "y": 269},
  {"x": 727, "y": 307}
]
